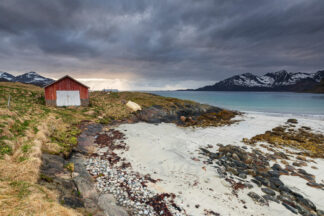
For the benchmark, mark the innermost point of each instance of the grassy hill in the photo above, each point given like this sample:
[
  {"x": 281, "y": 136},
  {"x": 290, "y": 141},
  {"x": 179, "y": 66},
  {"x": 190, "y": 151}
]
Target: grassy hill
[{"x": 28, "y": 128}]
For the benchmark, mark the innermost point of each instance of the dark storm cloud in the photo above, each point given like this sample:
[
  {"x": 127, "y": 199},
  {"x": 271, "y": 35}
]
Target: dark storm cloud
[{"x": 175, "y": 39}]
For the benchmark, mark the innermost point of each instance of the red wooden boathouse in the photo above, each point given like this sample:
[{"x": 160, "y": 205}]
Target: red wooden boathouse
[{"x": 66, "y": 92}]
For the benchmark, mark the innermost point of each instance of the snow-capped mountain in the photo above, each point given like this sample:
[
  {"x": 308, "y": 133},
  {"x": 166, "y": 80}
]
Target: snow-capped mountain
[
  {"x": 276, "y": 81},
  {"x": 33, "y": 78},
  {"x": 6, "y": 76},
  {"x": 29, "y": 78}
]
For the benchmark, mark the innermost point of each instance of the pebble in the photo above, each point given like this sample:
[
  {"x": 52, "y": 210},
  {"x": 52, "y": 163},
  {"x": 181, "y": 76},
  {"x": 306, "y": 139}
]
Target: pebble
[
  {"x": 290, "y": 208},
  {"x": 268, "y": 191},
  {"x": 257, "y": 198},
  {"x": 271, "y": 198}
]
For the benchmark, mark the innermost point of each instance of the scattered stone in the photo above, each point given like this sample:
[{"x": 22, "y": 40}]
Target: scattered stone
[
  {"x": 292, "y": 121},
  {"x": 307, "y": 203},
  {"x": 299, "y": 157},
  {"x": 258, "y": 199},
  {"x": 290, "y": 208},
  {"x": 299, "y": 164},
  {"x": 250, "y": 186},
  {"x": 314, "y": 184},
  {"x": 274, "y": 173},
  {"x": 256, "y": 182},
  {"x": 183, "y": 118},
  {"x": 290, "y": 168},
  {"x": 277, "y": 167},
  {"x": 268, "y": 191},
  {"x": 242, "y": 175},
  {"x": 320, "y": 212},
  {"x": 270, "y": 198}
]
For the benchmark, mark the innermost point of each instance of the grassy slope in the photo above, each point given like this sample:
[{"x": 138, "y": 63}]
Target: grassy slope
[{"x": 29, "y": 128}]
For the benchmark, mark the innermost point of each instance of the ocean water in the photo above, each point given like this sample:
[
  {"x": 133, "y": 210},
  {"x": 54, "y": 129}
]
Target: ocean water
[{"x": 303, "y": 104}]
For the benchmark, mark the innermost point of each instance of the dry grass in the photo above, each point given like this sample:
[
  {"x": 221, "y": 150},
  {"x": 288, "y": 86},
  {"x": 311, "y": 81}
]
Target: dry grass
[{"x": 24, "y": 198}]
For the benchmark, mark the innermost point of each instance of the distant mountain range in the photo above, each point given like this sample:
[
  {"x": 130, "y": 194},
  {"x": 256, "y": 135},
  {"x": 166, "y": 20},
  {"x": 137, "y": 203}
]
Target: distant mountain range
[
  {"x": 28, "y": 78},
  {"x": 276, "y": 81}
]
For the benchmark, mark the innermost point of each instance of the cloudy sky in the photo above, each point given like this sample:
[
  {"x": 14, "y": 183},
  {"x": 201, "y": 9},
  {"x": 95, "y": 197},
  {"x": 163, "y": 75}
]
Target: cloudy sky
[{"x": 160, "y": 44}]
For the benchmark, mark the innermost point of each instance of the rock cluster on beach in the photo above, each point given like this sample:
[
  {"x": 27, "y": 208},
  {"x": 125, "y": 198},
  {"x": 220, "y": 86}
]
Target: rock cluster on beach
[
  {"x": 244, "y": 169},
  {"x": 287, "y": 136}
]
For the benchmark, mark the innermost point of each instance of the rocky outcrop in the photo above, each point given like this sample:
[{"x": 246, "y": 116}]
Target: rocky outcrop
[
  {"x": 158, "y": 114},
  {"x": 73, "y": 181}
]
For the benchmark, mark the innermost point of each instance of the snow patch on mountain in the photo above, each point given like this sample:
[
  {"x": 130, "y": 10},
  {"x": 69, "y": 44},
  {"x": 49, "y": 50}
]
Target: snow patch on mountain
[
  {"x": 280, "y": 80},
  {"x": 29, "y": 78},
  {"x": 7, "y": 76}
]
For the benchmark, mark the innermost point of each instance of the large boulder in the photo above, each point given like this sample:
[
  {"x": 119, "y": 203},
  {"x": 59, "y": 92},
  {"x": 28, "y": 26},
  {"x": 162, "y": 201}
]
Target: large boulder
[{"x": 133, "y": 106}]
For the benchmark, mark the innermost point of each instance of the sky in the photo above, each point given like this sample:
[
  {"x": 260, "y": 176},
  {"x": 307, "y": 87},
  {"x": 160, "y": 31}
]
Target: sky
[{"x": 160, "y": 44}]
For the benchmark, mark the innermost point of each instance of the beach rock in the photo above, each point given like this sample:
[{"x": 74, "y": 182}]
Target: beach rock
[
  {"x": 276, "y": 181},
  {"x": 302, "y": 210},
  {"x": 293, "y": 121},
  {"x": 112, "y": 210},
  {"x": 183, "y": 118},
  {"x": 72, "y": 202},
  {"x": 250, "y": 186},
  {"x": 290, "y": 168},
  {"x": 299, "y": 157},
  {"x": 307, "y": 203},
  {"x": 299, "y": 164},
  {"x": 320, "y": 212},
  {"x": 256, "y": 182},
  {"x": 274, "y": 173},
  {"x": 270, "y": 198},
  {"x": 290, "y": 208},
  {"x": 314, "y": 184},
  {"x": 268, "y": 191},
  {"x": 258, "y": 199},
  {"x": 106, "y": 199},
  {"x": 283, "y": 188},
  {"x": 277, "y": 167},
  {"x": 263, "y": 181},
  {"x": 133, "y": 106},
  {"x": 107, "y": 203},
  {"x": 242, "y": 175}
]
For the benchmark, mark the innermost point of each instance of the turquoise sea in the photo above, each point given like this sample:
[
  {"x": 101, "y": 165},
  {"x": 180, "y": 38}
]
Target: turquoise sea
[{"x": 268, "y": 102}]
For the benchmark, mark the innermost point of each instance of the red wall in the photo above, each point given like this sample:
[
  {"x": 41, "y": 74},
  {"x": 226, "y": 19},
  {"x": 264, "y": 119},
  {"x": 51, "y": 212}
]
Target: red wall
[{"x": 65, "y": 84}]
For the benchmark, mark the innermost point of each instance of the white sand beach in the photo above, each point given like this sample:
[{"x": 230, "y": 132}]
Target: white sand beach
[{"x": 171, "y": 153}]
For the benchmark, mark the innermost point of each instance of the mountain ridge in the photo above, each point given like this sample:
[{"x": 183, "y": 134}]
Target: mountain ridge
[
  {"x": 273, "y": 81},
  {"x": 27, "y": 78}
]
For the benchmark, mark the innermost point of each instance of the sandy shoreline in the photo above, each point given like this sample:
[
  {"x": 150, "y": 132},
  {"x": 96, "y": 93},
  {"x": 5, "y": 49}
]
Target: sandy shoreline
[
  {"x": 165, "y": 151},
  {"x": 172, "y": 155}
]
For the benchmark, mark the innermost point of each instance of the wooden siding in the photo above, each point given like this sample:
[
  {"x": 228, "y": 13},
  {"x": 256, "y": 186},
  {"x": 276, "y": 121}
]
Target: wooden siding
[{"x": 65, "y": 84}]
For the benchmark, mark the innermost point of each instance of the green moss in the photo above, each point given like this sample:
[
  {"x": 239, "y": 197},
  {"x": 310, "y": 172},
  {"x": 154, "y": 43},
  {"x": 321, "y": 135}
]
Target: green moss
[
  {"x": 5, "y": 149},
  {"x": 35, "y": 129},
  {"x": 46, "y": 178},
  {"x": 25, "y": 148},
  {"x": 67, "y": 140},
  {"x": 18, "y": 128},
  {"x": 70, "y": 167},
  {"x": 22, "y": 159}
]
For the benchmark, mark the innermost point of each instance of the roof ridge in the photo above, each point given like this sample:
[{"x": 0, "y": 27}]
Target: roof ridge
[{"x": 66, "y": 76}]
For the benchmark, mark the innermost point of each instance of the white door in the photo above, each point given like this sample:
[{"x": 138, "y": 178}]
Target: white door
[{"x": 68, "y": 98}]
